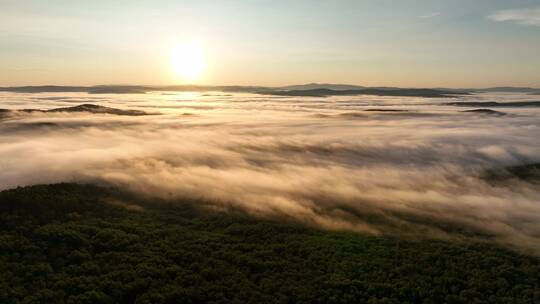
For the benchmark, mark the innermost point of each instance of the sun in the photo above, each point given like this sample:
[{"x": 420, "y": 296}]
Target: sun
[{"x": 188, "y": 61}]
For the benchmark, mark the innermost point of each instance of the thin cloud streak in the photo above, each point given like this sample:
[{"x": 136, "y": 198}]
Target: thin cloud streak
[
  {"x": 525, "y": 16},
  {"x": 431, "y": 15}
]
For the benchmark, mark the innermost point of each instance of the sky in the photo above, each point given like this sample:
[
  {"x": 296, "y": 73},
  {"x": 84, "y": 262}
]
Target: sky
[{"x": 408, "y": 43}]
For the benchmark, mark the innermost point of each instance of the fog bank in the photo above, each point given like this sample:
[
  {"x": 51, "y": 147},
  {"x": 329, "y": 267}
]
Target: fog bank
[{"x": 376, "y": 165}]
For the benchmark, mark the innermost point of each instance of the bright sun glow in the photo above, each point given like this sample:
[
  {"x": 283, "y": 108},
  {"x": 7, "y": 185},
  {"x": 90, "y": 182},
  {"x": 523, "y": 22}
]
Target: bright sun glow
[{"x": 188, "y": 61}]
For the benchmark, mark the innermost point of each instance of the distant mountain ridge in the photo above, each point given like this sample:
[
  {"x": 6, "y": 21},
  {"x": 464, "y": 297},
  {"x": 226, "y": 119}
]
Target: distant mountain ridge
[
  {"x": 511, "y": 90},
  {"x": 126, "y": 89},
  {"x": 367, "y": 91},
  {"x": 315, "y": 86},
  {"x": 311, "y": 88}
]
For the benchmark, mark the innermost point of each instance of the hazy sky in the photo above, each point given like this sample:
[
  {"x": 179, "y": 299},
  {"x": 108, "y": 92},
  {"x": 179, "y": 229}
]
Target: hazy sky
[{"x": 454, "y": 43}]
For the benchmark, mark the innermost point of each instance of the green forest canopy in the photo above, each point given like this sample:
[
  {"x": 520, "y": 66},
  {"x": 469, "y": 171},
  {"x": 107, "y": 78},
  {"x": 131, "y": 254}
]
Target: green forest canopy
[{"x": 69, "y": 243}]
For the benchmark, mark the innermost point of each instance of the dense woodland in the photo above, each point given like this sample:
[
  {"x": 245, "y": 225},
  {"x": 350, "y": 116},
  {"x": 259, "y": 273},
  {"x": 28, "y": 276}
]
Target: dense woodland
[{"x": 70, "y": 243}]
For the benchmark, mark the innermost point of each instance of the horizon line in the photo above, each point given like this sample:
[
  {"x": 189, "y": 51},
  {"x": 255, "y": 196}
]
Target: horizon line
[{"x": 266, "y": 86}]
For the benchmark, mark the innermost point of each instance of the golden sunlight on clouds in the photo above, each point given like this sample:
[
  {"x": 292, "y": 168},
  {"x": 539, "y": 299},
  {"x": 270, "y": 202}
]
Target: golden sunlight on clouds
[{"x": 188, "y": 62}]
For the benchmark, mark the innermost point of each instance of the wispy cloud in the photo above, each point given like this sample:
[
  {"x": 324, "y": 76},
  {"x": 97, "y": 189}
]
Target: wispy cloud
[
  {"x": 524, "y": 16},
  {"x": 431, "y": 15}
]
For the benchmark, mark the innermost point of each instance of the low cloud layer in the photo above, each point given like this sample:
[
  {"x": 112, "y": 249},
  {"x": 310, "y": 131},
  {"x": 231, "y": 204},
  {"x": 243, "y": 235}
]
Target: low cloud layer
[
  {"x": 414, "y": 173},
  {"x": 524, "y": 16}
]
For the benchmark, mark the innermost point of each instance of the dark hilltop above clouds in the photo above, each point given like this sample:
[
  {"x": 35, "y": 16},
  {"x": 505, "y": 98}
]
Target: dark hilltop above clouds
[
  {"x": 494, "y": 104},
  {"x": 89, "y": 108}
]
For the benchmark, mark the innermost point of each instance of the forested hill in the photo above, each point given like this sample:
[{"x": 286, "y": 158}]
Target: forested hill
[{"x": 69, "y": 243}]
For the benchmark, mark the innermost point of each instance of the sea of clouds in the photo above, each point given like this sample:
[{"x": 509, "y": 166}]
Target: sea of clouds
[{"x": 326, "y": 162}]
